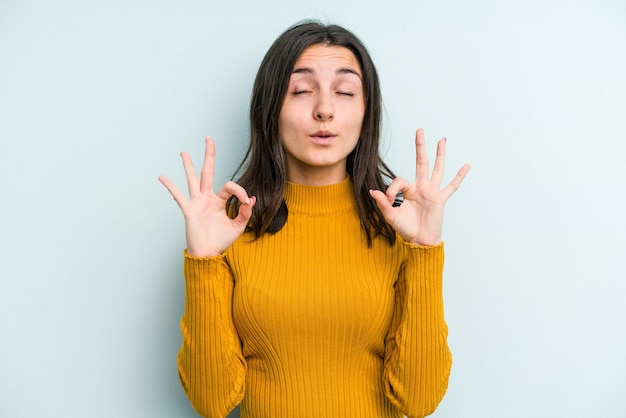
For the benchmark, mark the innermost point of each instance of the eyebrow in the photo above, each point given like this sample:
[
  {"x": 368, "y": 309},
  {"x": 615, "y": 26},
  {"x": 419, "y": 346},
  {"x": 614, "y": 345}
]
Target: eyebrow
[{"x": 340, "y": 71}]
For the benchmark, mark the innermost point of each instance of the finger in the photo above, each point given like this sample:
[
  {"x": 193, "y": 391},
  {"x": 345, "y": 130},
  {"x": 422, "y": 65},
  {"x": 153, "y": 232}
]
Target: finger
[
  {"x": 439, "y": 168},
  {"x": 383, "y": 204},
  {"x": 456, "y": 181},
  {"x": 245, "y": 211},
  {"x": 230, "y": 188},
  {"x": 190, "y": 173},
  {"x": 178, "y": 196},
  {"x": 208, "y": 167},
  {"x": 421, "y": 163},
  {"x": 397, "y": 185}
]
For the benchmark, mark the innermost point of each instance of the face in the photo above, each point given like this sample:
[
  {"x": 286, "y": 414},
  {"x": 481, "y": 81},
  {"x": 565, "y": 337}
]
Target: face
[{"x": 321, "y": 117}]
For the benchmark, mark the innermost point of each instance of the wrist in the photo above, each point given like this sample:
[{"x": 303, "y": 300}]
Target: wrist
[
  {"x": 200, "y": 255},
  {"x": 202, "y": 251}
]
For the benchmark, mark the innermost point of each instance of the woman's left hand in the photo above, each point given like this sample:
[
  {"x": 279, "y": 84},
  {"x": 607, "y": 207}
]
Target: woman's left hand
[{"x": 419, "y": 219}]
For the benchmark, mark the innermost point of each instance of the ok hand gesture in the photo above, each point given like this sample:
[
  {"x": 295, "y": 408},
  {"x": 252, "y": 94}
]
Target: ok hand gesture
[
  {"x": 209, "y": 229},
  {"x": 419, "y": 219}
]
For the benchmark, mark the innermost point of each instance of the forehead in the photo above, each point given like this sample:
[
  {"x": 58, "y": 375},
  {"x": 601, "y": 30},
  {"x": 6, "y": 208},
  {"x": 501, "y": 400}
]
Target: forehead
[{"x": 322, "y": 55}]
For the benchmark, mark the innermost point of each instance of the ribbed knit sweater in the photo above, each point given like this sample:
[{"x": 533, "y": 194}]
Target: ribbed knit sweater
[{"x": 311, "y": 322}]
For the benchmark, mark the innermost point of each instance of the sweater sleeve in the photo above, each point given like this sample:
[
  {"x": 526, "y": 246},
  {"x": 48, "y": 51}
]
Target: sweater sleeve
[
  {"x": 211, "y": 365},
  {"x": 417, "y": 356}
]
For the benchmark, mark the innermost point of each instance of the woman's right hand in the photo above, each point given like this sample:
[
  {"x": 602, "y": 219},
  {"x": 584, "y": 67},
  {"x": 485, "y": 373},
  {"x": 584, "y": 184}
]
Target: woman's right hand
[{"x": 210, "y": 231}]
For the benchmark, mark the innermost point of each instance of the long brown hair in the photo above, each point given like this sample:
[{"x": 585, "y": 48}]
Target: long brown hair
[{"x": 263, "y": 171}]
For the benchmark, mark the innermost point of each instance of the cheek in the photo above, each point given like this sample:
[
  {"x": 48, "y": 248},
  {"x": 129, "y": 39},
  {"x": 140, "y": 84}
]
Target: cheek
[
  {"x": 283, "y": 120},
  {"x": 356, "y": 114},
  {"x": 286, "y": 128},
  {"x": 357, "y": 117},
  {"x": 289, "y": 120}
]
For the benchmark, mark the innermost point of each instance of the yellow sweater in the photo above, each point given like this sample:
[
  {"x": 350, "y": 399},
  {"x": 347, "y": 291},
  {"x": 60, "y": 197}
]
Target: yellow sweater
[{"x": 310, "y": 322}]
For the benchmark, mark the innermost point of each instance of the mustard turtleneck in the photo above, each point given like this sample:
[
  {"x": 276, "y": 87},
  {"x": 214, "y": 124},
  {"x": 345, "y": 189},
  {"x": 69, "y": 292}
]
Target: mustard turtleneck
[{"x": 310, "y": 322}]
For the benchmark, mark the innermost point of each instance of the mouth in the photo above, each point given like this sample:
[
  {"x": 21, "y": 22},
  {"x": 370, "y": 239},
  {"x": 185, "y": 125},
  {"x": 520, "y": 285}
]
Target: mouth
[{"x": 323, "y": 137}]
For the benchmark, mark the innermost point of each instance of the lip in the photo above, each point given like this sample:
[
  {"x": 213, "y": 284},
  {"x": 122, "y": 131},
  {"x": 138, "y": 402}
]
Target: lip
[{"x": 323, "y": 137}]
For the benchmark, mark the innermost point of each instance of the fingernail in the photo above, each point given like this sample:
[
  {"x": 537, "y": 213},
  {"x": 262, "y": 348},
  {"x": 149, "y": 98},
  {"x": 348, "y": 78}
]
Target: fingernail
[{"x": 445, "y": 139}]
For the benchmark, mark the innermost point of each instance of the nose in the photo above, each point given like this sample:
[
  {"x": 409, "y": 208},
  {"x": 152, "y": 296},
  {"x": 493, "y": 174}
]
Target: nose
[{"x": 324, "y": 109}]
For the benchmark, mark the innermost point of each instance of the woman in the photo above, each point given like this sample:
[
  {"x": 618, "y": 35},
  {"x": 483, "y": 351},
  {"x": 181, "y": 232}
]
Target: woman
[{"x": 310, "y": 292}]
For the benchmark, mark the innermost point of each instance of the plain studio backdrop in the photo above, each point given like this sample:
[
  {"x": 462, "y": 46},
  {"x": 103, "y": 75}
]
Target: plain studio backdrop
[{"x": 97, "y": 99}]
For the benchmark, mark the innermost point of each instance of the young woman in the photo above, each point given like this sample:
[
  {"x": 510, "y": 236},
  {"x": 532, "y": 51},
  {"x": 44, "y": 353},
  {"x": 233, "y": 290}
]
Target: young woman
[{"x": 311, "y": 290}]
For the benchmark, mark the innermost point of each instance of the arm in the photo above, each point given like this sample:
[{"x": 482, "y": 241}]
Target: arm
[
  {"x": 418, "y": 361},
  {"x": 210, "y": 361},
  {"x": 417, "y": 357}
]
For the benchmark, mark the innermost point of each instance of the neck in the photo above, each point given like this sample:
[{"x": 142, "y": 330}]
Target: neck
[
  {"x": 318, "y": 200},
  {"x": 316, "y": 176}
]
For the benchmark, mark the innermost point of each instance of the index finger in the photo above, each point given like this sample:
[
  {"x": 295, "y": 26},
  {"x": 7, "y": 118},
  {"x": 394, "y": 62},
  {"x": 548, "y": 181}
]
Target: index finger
[
  {"x": 456, "y": 181},
  {"x": 208, "y": 166},
  {"x": 178, "y": 196},
  {"x": 421, "y": 156}
]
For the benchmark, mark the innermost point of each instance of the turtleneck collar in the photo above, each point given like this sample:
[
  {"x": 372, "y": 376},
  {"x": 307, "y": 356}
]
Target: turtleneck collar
[{"x": 320, "y": 200}]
